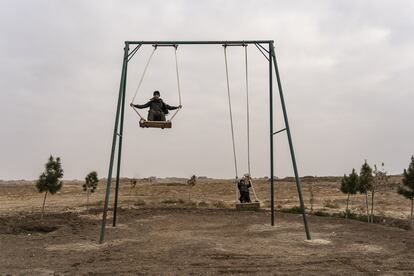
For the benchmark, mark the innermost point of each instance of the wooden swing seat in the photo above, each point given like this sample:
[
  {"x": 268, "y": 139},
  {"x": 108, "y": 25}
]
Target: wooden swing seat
[
  {"x": 250, "y": 206},
  {"x": 155, "y": 124}
]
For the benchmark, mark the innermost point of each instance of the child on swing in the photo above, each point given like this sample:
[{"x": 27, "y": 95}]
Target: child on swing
[
  {"x": 244, "y": 184},
  {"x": 157, "y": 107}
]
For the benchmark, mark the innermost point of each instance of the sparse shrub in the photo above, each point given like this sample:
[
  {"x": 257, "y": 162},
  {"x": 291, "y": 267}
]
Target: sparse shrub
[
  {"x": 220, "y": 204},
  {"x": 365, "y": 182},
  {"x": 168, "y": 201},
  {"x": 173, "y": 201},
  {"x": 351, "y": 215},
  {"x": 407, "y": 187},
  {"x": 133, "y": 184},
  {"x": 50, "y": 180},
  {"x": 349, "y": 185},
  {"x": 362, "y": 218},
  {"x": 330, "y": 204},
  {"x": 140, "y": 203},
  {"x": 202, "y": 204},
  {"x": 292, "y": 210},
  {"x": 380, "y": 179},
  {"x": 312, "y": 196},
  {"x": 192, "y": 204},
  {"x": 321, "y": 213},
  {"x": 90, "y": 185}
]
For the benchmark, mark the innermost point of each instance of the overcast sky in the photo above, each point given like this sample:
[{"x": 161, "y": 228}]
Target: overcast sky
[{"x": 347, "y": 71}]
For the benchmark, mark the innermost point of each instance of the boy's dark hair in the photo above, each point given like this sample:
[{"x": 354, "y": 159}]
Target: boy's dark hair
[{"x": 156, "y": 93}]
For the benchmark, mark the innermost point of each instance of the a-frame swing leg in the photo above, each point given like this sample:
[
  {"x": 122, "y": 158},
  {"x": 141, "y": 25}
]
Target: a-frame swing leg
[
  {"x": 121, "y": 95},
  {"x": 289, "y": 136},
  {"x": 121, "y": 135},
  {"x": 272, "y": 191}
]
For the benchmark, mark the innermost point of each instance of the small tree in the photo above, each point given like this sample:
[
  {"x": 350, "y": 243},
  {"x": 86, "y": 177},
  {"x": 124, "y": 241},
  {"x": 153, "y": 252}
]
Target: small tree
[
  {"x": 407, "y": 187},
  {"x": 365, "y": 183},
  {"x": 312, "y": 197},
  {"x": 90, "y": 185},
  {"x": 380, "y": 179},
  {"x": 49, "y": 180},
  {"x": 349, "y": 185},
  {"x": 191, "y": 183}
]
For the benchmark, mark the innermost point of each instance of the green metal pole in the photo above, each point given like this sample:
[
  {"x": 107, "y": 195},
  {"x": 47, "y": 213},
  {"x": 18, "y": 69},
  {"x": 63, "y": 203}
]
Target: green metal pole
[
  {"x": 121, "y": 134},
  {"x": 111, "y": 162},
  {"x": 272, "y": 192},
  {"x": 292, "y": 152}
]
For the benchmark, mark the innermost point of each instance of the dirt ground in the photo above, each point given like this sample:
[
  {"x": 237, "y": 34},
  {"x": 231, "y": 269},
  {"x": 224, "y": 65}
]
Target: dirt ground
[{"x": 161, "y": 232}]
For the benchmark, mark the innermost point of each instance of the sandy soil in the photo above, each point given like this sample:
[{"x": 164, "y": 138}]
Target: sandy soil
[{"x": 160, "y": 232}]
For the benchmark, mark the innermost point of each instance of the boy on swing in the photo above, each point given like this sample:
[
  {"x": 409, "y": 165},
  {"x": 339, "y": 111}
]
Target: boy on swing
[
  {"x": 157, "y": 107},
  {"x": 244, "y": 184}
]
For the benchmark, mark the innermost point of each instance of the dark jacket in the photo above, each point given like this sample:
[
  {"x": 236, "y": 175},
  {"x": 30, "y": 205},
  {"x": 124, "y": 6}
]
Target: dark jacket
[
  {"x": 157, "y": 105},
  {"x": 244, "y": 185}
]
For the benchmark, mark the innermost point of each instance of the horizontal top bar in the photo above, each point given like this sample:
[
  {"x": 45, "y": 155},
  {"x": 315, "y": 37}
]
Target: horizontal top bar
[{"x": 201, "y": 42}]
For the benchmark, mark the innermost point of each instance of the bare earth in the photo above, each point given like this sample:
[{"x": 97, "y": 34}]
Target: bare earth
[{"x": 161, "y": 232}]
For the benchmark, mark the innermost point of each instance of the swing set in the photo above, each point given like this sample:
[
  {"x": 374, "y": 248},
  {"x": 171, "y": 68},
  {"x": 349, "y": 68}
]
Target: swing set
[{"x": 269, "y": 55}]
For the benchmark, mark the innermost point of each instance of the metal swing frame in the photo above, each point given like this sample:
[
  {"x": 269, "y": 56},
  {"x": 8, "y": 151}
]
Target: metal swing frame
[{"x": 117, "y": 137}]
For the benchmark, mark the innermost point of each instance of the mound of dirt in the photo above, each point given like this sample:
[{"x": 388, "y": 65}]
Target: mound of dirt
[{"x": 30, "y": 223}]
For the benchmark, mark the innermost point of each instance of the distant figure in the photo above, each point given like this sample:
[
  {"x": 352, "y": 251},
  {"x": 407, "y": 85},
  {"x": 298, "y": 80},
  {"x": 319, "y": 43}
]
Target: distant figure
[
  {"x": 192, "y": 181},
  {"x": 244, "y": 184},
  {"x": 133, "y": 183},
  {"x": 157, "y": 107}
]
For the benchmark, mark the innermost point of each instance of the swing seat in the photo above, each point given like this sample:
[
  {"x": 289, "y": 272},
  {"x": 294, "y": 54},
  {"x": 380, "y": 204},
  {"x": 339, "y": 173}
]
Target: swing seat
[
  {"x": 155, "y": 124},
  {"x": 251, "y": 206}
]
